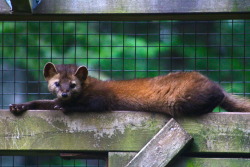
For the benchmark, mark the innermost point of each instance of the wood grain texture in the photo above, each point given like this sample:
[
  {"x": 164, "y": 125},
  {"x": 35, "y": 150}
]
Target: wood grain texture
[
  {"x": 163, "y": 147},
  {"x": 116, "y": 159},
  {"x": 211, "y": 162},
  {"x": 141, "y": 6},
  {"x": 128, "y": 10},
  {"x": 122, "y": 158},
  {"x": 219, "y": 132},
  {"x": 119, "y": 131},
  {"x": 53, "y": 130}
]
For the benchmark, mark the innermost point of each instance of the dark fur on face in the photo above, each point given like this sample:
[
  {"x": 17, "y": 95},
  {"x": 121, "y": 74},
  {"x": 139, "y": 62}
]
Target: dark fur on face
[{"x": 65, "y": 81}]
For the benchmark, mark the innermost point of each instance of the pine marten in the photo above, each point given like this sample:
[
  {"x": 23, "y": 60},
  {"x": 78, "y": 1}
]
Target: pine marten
[{"x": 179, "y": 93}]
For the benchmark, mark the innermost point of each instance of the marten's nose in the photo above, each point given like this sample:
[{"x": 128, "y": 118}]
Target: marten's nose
[{"x": 64, "y": 95}]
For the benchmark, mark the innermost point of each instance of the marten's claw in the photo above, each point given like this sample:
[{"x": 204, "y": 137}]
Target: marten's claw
[
  {"x": 17, "y": 108},
  {"x": 57, "y": 107}
]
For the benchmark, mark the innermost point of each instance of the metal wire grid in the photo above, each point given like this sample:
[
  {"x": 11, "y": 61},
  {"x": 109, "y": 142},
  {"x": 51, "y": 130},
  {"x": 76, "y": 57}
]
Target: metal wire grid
[
  {"x": 122, "y": 50},
  {"x": 47, "y": 161}
]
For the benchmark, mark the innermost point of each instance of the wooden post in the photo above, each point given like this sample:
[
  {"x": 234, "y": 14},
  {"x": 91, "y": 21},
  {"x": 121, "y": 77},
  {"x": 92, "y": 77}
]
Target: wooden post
[{"x": 163, "y": 147}]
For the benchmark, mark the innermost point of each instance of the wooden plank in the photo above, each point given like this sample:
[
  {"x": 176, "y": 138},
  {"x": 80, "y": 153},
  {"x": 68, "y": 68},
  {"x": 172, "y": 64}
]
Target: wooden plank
[
  {"x": 163, "y": 147},
  {"x": 141, "y": 6},
  {"x": 128, "y": 10},
  {"x": 214, "y": 162},
  {"x": 219, "y": 132},
  {"x": 116, "y": 159},
  {"x": 124, "y": 17},
  {"x": 53, "y": 130},
  {"x": 122, "y": 158},
  {"x": 119, "y": 131}
]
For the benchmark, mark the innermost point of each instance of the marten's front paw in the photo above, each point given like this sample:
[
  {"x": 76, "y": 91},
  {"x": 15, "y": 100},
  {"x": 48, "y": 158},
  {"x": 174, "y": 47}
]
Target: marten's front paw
[
  {"x": 18, "y": 108},
  {"x": 58, "y": 107}
]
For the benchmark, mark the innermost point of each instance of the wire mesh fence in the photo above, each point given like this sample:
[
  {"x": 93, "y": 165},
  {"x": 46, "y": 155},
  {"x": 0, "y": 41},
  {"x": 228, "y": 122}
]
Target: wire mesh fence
[
  {"x": 122, "y": 50},
  {"x": 48, "y": 161}
]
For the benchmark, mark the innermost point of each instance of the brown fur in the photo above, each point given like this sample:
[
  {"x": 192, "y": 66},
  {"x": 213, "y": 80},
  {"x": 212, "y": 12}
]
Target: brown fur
[{"x": 181, "y": 93}]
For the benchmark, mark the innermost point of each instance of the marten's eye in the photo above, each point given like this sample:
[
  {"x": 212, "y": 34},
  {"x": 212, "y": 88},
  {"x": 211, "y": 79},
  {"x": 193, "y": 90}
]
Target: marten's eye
[
  {"x": 57, "y": 84},
  {"x": 72, "y": 85}
]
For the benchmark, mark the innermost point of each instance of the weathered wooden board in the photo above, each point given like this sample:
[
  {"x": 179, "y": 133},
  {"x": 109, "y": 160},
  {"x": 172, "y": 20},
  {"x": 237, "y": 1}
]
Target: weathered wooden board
[
  {"x": 141, "y": 6},
  {"x": 116, "y": 159},
  {"x": 122, "y": 158},
  {"x": 119, "y": 131},
  {"x": 53, "y": 130},
  {"x": 211, "y": 162},
  {"x": 163, "y": 147},
  {"x": 129, "y": 10},
  {"x": 219, "y": 132}
]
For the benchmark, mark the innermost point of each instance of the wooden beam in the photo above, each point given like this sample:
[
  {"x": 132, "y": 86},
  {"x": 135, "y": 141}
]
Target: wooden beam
[
  {"x": 214, "y": 162},
  {"x": 119, "y": 131},
  {"x": 219, "y": 132},
  {"x": 163, "y": 147},
  {"x": 141, "y": 6},
  {"x": 53, "y": 130},
  {"x": 128, "y": 10},
  {"x": 122, "y": 158}
]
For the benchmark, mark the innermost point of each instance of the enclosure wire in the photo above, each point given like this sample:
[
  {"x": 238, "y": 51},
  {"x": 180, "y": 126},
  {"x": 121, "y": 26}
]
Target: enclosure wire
[
  {"x": 147, "y": 44},
  {"x": 183, "y": 48},
  {"x": 75, "y": 23},
  {"x": 171, "y": 46},
  {"x": 244, "y": 59},
  {"x": 63, "y": 41},
  {"x": 27, "y": 62},
  {"x": 135, "y": 70},
  {"x": 159, "y": 48},
  {"x": 51, "y": 39},
  {"x": 2, "y": 105},
  {"x": 220, "y": 41},
  {"x": 39, "y": 59},
  {"x": 232, "y": 56},
  {"x": 123, "y": 50},
  {"x": 99, "y": 51},
  {"x": 87, "y": 47},
  {"x": 111, "y": 49},
  {"x": 195, "y": 47},
  {"x": 14, "y": 42}
]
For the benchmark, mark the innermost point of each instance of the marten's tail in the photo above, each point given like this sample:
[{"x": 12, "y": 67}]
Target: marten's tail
[{"x": 233, "y": 103}]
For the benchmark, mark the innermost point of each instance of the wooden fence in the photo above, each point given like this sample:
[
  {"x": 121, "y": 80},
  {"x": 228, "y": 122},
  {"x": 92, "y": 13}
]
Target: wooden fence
[{"x": 219, "y": 139}]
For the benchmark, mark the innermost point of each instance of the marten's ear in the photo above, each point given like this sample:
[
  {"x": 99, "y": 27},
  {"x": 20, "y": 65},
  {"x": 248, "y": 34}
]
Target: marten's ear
[
  {"x": 49, "y": 71},
  {"x": 82, "y": 73}
]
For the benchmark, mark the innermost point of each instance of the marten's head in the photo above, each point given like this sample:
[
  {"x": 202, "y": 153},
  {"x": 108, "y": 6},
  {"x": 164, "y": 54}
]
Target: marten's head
[{"x": 65, "y": 81}]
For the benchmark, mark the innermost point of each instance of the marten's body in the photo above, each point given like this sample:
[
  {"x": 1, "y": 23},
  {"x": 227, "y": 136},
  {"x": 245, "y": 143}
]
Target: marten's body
[{"x": 182, "y": 93}]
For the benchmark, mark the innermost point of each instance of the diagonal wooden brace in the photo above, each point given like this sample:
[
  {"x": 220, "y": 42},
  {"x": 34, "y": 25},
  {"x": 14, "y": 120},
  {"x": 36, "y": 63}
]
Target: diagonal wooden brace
[{"x": 163, "y": 147}]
